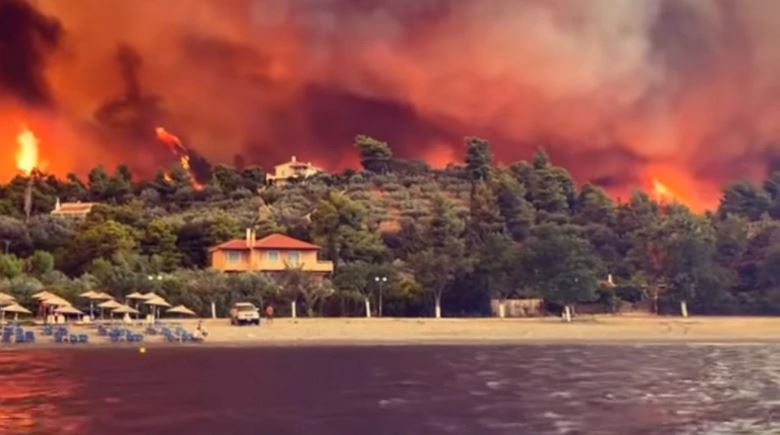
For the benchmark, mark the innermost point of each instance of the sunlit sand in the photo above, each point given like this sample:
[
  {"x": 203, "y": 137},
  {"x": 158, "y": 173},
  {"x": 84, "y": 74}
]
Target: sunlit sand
[{"x": 359, "y": 331}]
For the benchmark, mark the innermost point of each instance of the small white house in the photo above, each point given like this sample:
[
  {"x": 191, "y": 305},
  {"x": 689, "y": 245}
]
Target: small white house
[{"x": 291, "y": 170}]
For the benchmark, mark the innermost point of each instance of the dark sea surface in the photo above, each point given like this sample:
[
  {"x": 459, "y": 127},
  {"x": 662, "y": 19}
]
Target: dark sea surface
[{"x": 525, "y": 389}]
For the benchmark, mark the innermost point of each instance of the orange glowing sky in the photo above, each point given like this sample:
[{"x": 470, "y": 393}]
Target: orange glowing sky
[{"x": 619, "y": 92}]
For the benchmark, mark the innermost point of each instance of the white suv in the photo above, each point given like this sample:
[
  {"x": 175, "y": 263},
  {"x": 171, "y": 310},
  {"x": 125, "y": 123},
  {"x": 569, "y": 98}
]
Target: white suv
[{"x": 244, "y": 313}]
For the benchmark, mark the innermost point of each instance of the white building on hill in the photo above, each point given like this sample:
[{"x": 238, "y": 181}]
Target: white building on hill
[{"x": 292, "y": 170}]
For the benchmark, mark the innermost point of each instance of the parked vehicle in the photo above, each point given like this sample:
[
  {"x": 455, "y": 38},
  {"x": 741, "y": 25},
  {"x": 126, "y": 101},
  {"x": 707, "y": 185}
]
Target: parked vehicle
[{"x": 244, "y": 313}]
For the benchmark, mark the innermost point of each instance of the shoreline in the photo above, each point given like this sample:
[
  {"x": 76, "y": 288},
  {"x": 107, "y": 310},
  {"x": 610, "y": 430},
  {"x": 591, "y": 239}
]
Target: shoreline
[{"x": 587, "y": 330}]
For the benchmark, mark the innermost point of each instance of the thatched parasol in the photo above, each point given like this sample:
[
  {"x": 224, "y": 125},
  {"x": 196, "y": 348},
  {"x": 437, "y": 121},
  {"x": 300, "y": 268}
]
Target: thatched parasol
[
  {"x": 125, "y": 309},
  {"x": 13, "y": 308},
  {"x": 43, "y": 294},
  {"x": 6, "y": 299},
  {"x": 69, "y": 310},
  {"x": 55, "y": 300},
  {"x": 109, "y": 305},
  {"x": 180, "y": 309}
]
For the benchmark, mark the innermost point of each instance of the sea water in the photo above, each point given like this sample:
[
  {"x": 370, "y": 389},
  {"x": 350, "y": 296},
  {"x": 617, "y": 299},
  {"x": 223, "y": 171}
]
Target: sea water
[{"x": 525, "y": 389}]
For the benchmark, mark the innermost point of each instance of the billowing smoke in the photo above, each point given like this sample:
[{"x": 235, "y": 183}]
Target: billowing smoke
[
  {"x": 617, "y": 90},
  {"x": 26, "y": 37}
]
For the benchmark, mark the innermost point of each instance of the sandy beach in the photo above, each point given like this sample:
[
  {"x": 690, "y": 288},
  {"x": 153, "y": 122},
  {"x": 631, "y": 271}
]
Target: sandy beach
[{"x": 359, "y": 331}]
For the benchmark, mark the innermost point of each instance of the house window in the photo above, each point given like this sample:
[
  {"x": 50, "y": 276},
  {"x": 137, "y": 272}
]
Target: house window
[
  {"x": 234, "y": 256},
  {"x": 294, "y": 257},
  {"x": 273, "y": 255}
]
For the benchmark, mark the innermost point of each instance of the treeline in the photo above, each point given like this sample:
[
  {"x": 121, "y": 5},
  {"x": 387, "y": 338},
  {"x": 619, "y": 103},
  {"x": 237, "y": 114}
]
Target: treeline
[{"x": 454, "y": 238}]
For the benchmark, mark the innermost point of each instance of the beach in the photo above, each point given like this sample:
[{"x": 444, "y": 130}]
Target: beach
[{"x": 361, "y": 331}]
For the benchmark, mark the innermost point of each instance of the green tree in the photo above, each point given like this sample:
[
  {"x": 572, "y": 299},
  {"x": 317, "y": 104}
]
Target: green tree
[
  {"x": 517, "y": 212},
  {"x": 485, "y": 218},
  {"x": 560, "y": 266},
  {"x": 744, "y": 199},
  {"x": 593, "y": 205},
  {"x": 13, "y": 235},
  {"x": 338, "y": 224},
  {"x": 99, "y": 183},
  {"x": 197, "y": 236},
  {"x": 375, "y": 155},
  {"x": 690, "y": 268},
  {"x": 40, "y": 264},
  {"x": 498, "y": 268},
  {"x": 227, "y": 178},
  {"x": 160, "y": 239},
  {"x": 10, "y": 266},
  {"x": 479, "y": 159},
  {"x": 551, "y": 188},
  {"x": 108, "y": 240},
  {"x": 444, "y": 258},
  {"x": 296, "y": 283}
]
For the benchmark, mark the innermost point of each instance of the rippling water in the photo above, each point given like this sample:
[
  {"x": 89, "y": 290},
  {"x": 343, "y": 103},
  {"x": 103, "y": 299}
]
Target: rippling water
[{"x": 610, "y": 389}]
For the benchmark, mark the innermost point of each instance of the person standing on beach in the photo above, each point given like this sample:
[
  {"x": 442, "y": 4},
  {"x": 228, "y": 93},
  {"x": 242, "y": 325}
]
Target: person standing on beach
[{"x": 269, "y": 313}]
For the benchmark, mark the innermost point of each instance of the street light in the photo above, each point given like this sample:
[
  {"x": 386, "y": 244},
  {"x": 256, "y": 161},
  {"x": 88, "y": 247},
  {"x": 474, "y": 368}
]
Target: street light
[{"x": 380, "y": 280}]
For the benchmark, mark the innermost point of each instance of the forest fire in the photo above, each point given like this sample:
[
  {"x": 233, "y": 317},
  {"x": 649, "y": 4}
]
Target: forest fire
[
  {"x": 27, "y": 156},
  {"x": 662, "y": 193},
  {"x": 643, "y": 94},
  {"x": 181, "y": 152}
]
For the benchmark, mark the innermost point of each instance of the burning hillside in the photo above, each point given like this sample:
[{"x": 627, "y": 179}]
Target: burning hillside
[{"x": 611, "y": 88}]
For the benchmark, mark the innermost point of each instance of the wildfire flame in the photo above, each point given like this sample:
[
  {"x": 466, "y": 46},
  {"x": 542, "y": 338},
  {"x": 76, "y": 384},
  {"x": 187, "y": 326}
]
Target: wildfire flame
[
  {"x": 27, "y": 156},
  {"x": 179, "y": 150},
  {"x": 662, "y": 193}
]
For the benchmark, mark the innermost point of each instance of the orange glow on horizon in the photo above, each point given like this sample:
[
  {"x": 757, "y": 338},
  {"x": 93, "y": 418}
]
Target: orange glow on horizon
[
  {"x": 669, "y": 184},
  {"x": 662, "y": 193}
]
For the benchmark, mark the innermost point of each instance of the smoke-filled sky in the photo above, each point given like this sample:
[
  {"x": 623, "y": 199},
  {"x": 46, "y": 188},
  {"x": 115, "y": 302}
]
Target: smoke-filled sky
[{"x": 619, "y": 91}]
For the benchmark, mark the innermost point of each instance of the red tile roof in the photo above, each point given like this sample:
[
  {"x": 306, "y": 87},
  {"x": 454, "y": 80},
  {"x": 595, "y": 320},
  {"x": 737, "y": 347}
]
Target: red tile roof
[{"x": 274, "y": 241}]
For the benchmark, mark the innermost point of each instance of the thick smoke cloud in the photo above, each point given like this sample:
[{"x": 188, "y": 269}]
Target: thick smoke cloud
[
  {"x": 26, "y": 37},
  {"x": 618, "y": 90}
]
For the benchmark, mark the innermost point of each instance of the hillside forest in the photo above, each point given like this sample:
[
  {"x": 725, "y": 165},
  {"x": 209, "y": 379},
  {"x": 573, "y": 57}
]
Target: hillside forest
[{"x": 455, "y": 237}]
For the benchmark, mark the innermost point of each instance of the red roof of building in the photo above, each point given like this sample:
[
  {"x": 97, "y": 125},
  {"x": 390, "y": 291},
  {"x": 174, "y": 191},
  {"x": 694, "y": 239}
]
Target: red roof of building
[{"x": 274, "y": 241}]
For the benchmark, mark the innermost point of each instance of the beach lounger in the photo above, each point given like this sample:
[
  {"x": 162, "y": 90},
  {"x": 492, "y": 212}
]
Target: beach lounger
[
  {"x": 83, "y": 338},
  {"x": 73, "y": 339},
  {"x": 29, "y": 336}
]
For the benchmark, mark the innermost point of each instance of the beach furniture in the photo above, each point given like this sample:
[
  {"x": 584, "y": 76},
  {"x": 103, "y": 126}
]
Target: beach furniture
[
  {"x": 83, "y": 338},
  {"x": 73, "y": 339},
  {"x": 29, "y": 336}
]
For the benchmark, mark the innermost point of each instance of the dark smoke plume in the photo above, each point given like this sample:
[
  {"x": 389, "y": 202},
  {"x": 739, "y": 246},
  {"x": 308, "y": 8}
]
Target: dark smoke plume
[
  {"x": 620, "y": 91},
  {"x": 26, "y": 38},
  {"x": 132, "y": 115}
]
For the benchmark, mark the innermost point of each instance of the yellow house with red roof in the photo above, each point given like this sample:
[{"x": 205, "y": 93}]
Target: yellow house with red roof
[{"x": 273, "y": 253}]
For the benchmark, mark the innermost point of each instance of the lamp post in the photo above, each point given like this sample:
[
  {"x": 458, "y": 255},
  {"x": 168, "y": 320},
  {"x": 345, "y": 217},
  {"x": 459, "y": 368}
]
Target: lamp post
[{"x": 380, "y": 281}]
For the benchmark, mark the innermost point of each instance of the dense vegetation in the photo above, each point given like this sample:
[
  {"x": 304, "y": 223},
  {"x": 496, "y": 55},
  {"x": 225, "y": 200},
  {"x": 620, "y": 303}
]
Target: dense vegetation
[{"x": 459, "y": 236}]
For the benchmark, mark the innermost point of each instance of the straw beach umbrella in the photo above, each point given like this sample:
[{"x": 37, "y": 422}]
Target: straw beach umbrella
[
  {"x": 108, "y": 305},
  {"x": 102, "y": 296},
  {"x": 69, "y": 311},
  {"x": 156, "y": 302},
  {"x": 14, "y": 308},
  {"x": 43, "y": 294},
  {"x": 125, "y": 309},
  {"x": 135, "y": 296},
  {"x": 6, "y": 299},
  {"x": 54, "y": 300},
  {"x": 92, "y": 296},
  {"x": 180, "y": 309}
]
